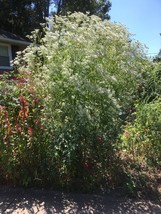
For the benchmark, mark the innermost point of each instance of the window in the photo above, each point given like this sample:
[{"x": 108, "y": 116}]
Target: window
[{"x": 5, "y": 56}]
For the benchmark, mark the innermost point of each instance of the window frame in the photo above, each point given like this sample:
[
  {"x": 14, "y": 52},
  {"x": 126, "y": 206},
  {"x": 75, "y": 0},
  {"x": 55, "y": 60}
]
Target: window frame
[{"x": 9, "y": 55}]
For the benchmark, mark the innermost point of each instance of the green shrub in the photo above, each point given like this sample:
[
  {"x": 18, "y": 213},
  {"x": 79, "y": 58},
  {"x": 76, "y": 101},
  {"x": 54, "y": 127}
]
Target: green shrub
[
  {"x": 151, "y": 87},
  {"x": 142, "y": 138},
  {"x": 85, "y": 72}
]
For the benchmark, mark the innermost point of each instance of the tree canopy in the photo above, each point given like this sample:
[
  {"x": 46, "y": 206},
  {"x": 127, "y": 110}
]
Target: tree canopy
[
  {"x": 23, "y": 16},
  {"x": 94, "y": 7}
]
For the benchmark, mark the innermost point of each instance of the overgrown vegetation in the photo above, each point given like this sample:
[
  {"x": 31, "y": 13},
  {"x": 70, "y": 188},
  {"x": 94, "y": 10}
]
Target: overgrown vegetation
[{"x": 86, "y": 99}]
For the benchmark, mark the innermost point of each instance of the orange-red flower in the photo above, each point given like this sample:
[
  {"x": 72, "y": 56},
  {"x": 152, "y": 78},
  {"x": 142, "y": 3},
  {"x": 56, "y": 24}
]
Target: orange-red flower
[
  {"x": 23, "y": 101},
  {"x": 23, "y": 113}
]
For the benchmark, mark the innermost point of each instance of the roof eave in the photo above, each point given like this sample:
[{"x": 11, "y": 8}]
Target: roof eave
[{"x": 15, "y": 42}]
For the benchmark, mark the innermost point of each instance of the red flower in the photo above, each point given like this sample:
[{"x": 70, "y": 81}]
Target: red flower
[
  {"x": 20, "y": 79},
  {"x": 37, "y": 100},
  {"x": 23, "y": 113},
  {"x": 18, "y": 128},
  {"x": 31, "y": 89},
  {"x": 30, "y": 130},
  {"x": 38, "y": 124},
  {"x": 23, "y": 101}
]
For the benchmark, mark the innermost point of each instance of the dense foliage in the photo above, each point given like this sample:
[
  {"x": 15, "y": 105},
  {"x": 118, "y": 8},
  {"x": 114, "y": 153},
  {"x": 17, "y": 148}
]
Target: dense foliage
[
  {"x": 23, "y": 16},
  {"x": 62, "y": 118},
  {"x": 94, "y": 7},
  {"x": 141, "y": 137}
]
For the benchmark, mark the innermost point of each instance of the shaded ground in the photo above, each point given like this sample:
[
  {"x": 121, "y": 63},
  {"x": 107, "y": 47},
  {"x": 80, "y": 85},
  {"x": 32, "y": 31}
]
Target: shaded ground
[{"x": 33, "y": 201}]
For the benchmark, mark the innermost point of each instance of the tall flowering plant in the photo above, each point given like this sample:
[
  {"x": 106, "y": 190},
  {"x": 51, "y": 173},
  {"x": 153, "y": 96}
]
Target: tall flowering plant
[{"x": 82, "y": 77}]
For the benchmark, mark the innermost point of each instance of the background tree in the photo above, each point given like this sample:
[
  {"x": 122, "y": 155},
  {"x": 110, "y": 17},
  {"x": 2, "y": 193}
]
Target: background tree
[
  {"x": 23, "y": 16},
  {"x": 96, "y": 7},
  {"x": 157, "y": 58}
]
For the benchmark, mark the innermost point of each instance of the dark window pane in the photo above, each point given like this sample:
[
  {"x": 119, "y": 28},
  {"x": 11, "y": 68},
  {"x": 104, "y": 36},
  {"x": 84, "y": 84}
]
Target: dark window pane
[
  {"x": 4, "y": 61},
  {"x": 3, "y": 50}
]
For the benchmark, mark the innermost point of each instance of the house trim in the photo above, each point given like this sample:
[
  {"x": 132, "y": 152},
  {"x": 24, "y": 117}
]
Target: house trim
[{"x": 16, "y": 42}]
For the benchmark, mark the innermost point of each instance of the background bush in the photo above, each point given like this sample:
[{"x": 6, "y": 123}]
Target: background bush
[{"x": 142, "y": 138}]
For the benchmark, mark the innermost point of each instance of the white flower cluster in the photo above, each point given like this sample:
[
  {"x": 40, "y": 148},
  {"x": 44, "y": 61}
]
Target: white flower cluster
[{"x": 85, "y": 61}]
